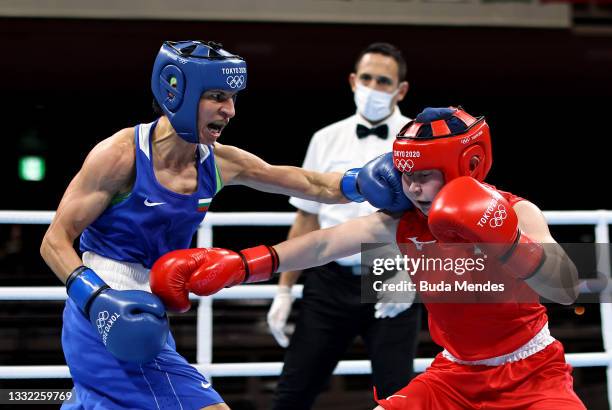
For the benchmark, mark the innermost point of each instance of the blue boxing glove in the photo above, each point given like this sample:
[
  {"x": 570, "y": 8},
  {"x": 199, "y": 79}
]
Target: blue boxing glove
[
  {"x": 132, "y": 324},
  {"x": 378, "y": 182}
]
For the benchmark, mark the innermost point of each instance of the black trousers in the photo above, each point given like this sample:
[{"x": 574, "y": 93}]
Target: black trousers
[{"x": 332, "y": 315}]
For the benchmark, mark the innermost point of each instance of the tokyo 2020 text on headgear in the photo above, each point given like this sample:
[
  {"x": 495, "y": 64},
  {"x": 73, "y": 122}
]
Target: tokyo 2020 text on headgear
[
  {"x": 183, "y": 71},
  {"x": 447, "y": 139}
]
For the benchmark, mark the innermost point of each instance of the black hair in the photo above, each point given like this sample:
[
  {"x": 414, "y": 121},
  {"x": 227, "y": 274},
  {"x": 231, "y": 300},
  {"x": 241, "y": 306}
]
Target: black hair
[
  {"x": 157, "y": 109},
  {"x": 389, "y": 50}
]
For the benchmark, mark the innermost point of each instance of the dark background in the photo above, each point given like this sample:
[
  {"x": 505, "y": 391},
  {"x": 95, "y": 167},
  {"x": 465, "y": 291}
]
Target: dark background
[
  {"x": 71, "y": 83},
  {"x": 546, "y": 94}
]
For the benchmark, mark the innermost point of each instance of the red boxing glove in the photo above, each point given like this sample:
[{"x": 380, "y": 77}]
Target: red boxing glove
[
  {"x": 467, "y": 211},
  {"x": 205, "y": 271}
]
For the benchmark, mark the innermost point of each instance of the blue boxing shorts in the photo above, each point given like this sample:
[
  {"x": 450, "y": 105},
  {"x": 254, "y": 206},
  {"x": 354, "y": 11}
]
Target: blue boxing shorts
[{"x": 103, "y": 382}]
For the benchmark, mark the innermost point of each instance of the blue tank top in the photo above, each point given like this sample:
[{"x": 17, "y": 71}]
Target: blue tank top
[{"x": 152, "y": 220}]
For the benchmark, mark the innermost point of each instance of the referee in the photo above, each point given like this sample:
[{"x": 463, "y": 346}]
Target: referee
[{"x": 332, "y": 314}]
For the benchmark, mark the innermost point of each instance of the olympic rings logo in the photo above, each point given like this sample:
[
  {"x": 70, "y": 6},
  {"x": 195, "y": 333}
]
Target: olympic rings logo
[
  {"x": 235, "y": 81},
  {"x": 499, "y": 217},
  {"x": 404, "y": 165},
  {"x": 101, "y": 321}
]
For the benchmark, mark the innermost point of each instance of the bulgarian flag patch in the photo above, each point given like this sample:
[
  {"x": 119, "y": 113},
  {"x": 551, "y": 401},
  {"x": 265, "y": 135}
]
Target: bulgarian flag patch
[{"x": 203, "y": 204}]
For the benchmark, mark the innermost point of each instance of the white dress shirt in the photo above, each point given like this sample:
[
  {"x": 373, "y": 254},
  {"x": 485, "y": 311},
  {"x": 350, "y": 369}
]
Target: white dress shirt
[{"x": 336, "y": 148}]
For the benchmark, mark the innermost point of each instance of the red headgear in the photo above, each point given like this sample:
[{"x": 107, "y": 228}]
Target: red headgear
[{"x": 447, "y": 144}]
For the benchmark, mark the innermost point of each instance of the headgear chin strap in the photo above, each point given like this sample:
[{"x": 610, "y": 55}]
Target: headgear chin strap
[
  {"x": 183, "y": 71},
  {"x": 447, "y": 139}
]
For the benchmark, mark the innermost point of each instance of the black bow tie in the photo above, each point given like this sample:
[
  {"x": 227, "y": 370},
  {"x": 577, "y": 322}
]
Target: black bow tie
[{"x": 382, "y": 131}]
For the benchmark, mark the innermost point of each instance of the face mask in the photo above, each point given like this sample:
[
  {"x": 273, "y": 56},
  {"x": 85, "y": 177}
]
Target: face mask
[{"x": 373, "y": 105}]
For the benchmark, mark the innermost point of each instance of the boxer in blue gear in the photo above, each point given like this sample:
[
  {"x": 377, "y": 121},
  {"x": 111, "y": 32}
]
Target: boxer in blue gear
[{"x": 142, "y": 193}]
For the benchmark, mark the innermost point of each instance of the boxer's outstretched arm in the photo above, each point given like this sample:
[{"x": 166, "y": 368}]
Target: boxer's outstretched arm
[
  {"x": 205, "y": 271},
  {"x": 108, "y": 167},
  {"x": 326, "y": 245},
  {"x": 239, "y": 167}
]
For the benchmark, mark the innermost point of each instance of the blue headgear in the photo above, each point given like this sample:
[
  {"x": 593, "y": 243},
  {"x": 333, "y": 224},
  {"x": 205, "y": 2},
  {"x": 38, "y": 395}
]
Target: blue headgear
[{"x": 183, "y": 71}]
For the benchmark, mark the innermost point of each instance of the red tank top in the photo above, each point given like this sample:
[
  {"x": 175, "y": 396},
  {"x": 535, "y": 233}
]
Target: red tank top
[{"x": 471, "y": 331}]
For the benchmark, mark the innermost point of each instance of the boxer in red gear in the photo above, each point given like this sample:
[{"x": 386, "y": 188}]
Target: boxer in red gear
[
  {"x": 496, "y": 355},
  {"x": 483, "y": 364}
]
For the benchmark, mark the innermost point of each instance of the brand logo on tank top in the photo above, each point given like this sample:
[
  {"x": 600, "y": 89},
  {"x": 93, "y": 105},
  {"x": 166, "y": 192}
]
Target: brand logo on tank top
[{"x": 147, "y": 203}]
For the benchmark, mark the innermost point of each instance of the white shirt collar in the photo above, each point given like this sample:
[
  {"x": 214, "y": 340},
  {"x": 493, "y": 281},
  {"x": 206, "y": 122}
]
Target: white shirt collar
[{"x": 395, "y": 116}]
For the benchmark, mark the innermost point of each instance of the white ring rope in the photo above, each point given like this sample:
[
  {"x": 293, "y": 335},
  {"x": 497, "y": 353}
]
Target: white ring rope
[
  {"x": 274, "y": 368},
  {"x": 600, "y": 218}
]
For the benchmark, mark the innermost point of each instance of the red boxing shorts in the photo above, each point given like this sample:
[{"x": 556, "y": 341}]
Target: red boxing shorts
[{"x": 542, "y": 381}]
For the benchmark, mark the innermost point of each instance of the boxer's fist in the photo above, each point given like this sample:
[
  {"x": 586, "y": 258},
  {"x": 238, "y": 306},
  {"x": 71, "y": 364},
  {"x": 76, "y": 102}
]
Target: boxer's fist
[
  {"x": 172, "y": 274},
  {"x": 132, "y": 324},
  {"x": 206, "y": 271},
  {"x": 467, "y": 211},
  {"x": 379, "y": 183}
]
